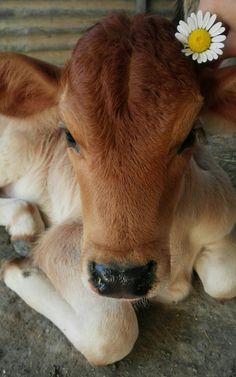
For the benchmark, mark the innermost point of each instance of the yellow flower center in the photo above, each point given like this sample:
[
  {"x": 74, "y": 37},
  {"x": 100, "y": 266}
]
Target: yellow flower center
[{"x": 199, "y": 40}]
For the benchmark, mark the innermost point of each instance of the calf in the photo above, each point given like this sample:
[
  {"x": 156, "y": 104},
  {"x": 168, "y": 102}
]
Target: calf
[{"x": 134, "y": 201}]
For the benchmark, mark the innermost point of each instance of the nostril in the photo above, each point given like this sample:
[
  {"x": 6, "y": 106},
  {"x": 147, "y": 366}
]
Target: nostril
[
  {"x": 102, "y": 272},
  {"x": 117, "y": 280},
  {"x": 102, "y": 277}
]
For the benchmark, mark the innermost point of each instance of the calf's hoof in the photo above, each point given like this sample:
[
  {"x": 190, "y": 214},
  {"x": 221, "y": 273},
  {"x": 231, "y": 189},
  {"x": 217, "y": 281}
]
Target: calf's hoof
[{"x": 22, "y": 247}]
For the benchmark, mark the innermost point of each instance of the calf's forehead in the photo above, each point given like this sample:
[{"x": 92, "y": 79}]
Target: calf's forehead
[{"x": 127, "y": 76}]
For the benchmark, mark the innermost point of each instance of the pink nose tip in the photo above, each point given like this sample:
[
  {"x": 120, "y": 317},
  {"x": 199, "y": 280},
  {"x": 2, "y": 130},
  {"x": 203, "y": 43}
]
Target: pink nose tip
[{"x": 120, "y": 281}]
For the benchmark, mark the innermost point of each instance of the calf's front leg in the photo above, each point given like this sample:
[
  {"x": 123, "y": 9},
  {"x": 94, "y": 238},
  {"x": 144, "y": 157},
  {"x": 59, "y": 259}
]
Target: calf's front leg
[{"x": 103, "y": 330}]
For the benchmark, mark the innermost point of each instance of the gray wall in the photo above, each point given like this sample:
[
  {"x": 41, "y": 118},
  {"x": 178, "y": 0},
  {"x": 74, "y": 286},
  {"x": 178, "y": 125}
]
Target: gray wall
[{"x": 49, "y": 29}]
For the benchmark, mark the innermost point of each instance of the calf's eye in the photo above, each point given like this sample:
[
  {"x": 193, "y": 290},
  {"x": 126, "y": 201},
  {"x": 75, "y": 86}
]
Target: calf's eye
[
  {"x": 71, "y": 141},
  {"x": 188, "y": 142}
]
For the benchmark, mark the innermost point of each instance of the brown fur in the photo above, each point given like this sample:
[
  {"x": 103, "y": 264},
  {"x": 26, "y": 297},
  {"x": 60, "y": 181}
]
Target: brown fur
[{"x": 23, "y": 84}]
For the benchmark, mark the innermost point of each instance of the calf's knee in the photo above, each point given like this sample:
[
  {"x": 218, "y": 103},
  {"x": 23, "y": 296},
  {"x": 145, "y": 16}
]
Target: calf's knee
[{"x": 110, "y": 339}]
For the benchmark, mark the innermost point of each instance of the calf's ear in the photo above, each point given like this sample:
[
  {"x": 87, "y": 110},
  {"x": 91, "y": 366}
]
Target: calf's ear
[
  {"x": 27, "y": 86},
  {"x": 219, "y": 112}
]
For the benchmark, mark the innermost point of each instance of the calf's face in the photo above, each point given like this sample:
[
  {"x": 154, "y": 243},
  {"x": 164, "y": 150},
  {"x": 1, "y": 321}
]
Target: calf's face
[{"x": 129, "y": 104}]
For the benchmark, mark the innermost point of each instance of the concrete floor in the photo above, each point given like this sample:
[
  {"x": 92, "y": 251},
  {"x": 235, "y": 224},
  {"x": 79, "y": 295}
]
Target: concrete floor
[{"x": 194, "y": 338}]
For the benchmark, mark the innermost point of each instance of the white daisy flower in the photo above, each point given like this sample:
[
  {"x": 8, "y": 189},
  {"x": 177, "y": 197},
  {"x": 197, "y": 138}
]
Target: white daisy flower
[{"x": 201, "y": 36}]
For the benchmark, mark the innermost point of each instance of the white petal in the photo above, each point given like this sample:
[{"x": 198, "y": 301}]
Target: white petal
[
  {"x": 214, "y": 54},
  {"x": 215, "y": 27},
  {"x": 182, "y": 38},
  {"x": 219, "y": 31},
  {"x": 185, "y": 26},
  {"x": 199, "y": 18},
  {"x": 182, "y": 30},
  {"x": 219, "y": 38},
  {"x": 191, "y": 23},
  {"x": 216, "y": 45},
  {"x": 209, "y": 55},
  {"x": 211, "y": 21},
  {"x": 199, "y": 59},
  {"x": 206, "y": 19},
  {"x": 204, "y": 57},
  {"x": 194, "y": 18},
  {"x": 187, "y": 51},
  {"x": 195, "y": 55},
  {"x": 218, "y": 51}
]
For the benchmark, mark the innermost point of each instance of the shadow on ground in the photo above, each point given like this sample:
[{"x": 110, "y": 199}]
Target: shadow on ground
[{"x": 194, "y": 338}]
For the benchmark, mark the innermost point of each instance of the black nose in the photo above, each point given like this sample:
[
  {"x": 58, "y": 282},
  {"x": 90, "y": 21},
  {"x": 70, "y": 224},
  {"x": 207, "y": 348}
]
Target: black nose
[{"x": 119, "y": 281}]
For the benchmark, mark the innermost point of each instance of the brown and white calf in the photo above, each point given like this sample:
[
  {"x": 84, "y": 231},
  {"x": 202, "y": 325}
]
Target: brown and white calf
[{"x": 134, "y": 202}]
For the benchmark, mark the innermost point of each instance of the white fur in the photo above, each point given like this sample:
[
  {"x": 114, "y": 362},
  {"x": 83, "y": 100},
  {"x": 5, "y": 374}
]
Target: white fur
[
  {"x": 216, "y": 267},
  {"x": 86, "y": 322},
  {"x": 20, "y": 218}
]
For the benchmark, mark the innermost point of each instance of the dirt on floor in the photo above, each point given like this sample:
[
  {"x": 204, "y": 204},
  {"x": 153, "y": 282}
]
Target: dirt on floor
[{"x": 194, "y": 338}]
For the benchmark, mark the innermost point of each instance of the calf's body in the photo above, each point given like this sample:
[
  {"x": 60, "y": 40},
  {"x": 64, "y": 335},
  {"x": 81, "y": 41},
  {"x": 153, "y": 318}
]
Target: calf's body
[{"x": 147, "y": 193}]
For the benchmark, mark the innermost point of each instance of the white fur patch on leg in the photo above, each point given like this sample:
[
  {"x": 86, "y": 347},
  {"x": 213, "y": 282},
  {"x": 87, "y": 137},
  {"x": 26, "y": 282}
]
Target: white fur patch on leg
[
  {"x": 103, "y": 335},
  {"x": 216, "y": 267},
  {"x": 26, "y": 222},
  {"x": 22, "y": 219}
]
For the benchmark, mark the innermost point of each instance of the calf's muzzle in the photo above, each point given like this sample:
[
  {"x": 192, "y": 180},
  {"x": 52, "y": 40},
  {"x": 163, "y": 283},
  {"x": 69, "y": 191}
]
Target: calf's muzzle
[{"x": 120, "y": 281}]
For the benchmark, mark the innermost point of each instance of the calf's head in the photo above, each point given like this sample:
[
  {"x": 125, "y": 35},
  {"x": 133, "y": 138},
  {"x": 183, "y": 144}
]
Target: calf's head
[
  {"x": 129, "y": 103},
  {"x": 129, "y": 100}
]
